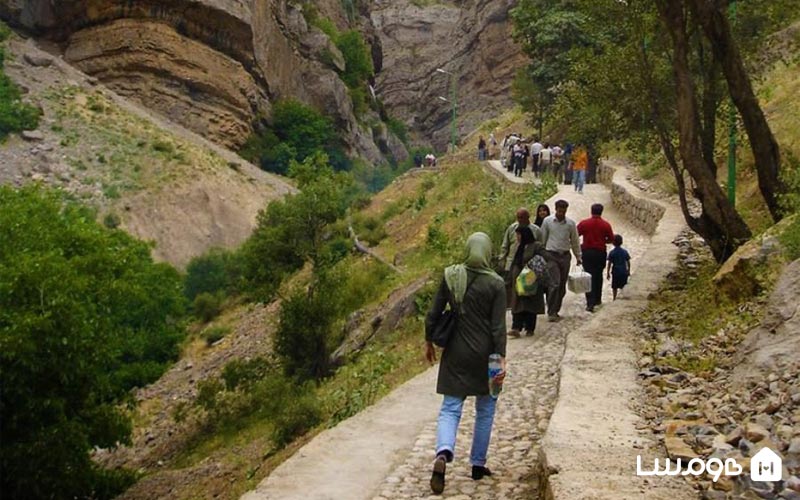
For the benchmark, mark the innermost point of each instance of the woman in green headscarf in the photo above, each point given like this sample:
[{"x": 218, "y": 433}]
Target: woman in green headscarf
[{"x": 480, "y": 296}]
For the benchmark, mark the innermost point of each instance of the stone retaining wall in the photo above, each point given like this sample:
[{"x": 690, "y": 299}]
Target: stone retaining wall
[{"x": 644, "y": 214}]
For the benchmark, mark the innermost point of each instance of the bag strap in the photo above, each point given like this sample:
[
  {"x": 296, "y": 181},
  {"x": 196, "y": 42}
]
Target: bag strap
[{"x": 452, "y": 300}]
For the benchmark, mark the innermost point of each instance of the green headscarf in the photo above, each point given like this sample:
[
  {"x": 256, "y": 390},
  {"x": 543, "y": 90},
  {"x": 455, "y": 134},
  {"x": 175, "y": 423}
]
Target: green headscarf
[{"x": 478, "y": 258}]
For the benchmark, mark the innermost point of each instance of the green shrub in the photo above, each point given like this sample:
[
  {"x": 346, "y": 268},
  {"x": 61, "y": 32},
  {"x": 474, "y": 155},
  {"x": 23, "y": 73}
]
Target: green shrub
[
  {"x": 399, "y": 129},
  {"x": 214, "y": 334},
  {"x": 357, "y": 57},
  {"x": 213, "y": 272},
  {"x": 299, "y": 413},
  {"x": 369, "y": 229},
  {"x": 790, "y": 238},
  {"x": 302, "y": 339},
  {"x": 112, "y": 220},
  {"x": 252, "y": 389},
  {"x": 15, "y": 115},
  {"x": 85, "y": 315},
  {"x": 297, "y": 132},
  {"x": 207, "y": 306},
  {"x": 245, "y": 373}
]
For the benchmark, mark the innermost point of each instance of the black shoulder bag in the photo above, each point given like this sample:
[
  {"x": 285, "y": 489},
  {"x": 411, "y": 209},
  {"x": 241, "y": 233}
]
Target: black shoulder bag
[{"x": 446, "y": 325}]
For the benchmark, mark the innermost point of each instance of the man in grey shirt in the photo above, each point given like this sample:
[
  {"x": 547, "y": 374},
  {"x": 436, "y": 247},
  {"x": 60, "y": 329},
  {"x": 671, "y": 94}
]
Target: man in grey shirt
[{"x": 560, "y": 235}]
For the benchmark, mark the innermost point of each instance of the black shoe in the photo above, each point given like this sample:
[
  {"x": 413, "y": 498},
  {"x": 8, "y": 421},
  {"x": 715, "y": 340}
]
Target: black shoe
[
  {"x": 437, "y": 477},
  {"x": 479, "y": 471},
  {"x": 590, "y": 309}
]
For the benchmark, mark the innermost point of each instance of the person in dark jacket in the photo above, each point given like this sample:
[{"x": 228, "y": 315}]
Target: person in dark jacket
[
  {"x": 524, "y": 308},
  {"x": 479, "y": 295}
]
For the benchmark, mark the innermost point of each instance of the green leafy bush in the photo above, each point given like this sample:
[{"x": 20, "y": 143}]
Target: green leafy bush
[
  {"x": 357, "y": 58},
  {"x": 213, "y": 272},
  {"x": 297, "y": 132},
  {"x": 207, "y": 306},
  {"x": 15, "y": 115},
  {"x": 293, "y": 230},
  {"x": 85, "y": 315},
  {"x": 302, "y": 339}
]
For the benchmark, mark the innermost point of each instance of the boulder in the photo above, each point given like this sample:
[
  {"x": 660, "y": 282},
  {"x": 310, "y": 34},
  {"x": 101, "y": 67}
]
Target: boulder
[{"x": 741, "y": 276}]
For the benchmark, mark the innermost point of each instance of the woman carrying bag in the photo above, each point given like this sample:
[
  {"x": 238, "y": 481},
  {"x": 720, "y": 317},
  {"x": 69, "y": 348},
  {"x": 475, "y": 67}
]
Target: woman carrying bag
[
  {"x": 479, "y": 296},
  {"x": 524, "y": 308}
]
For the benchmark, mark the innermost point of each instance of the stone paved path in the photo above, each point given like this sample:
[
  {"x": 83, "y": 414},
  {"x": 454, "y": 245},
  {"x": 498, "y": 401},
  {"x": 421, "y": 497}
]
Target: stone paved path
[{"x": 398, "y": 466}]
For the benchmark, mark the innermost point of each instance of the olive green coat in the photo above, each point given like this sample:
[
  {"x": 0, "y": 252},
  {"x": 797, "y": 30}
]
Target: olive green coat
[{"x": 481, "y": 331}]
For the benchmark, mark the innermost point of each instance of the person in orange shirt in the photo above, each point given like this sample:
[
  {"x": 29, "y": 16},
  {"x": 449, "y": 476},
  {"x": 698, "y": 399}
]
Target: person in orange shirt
[{"x": 579, "y": 168}]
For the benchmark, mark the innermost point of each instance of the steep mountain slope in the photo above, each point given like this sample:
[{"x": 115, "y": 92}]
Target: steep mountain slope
[
  {"x": 157, "y": 180},
  {"x": 216, "y": 66}
]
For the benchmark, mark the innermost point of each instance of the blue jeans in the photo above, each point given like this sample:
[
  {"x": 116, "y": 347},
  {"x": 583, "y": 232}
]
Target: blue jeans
[
  {"x": 450, "y": 416},
  {"x": 579, "y": 177}
]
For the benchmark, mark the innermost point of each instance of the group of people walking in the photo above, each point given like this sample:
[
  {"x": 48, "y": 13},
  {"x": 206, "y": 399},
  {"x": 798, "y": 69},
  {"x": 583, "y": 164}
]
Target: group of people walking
[
  {"x": 568, "y": 164},
  {"x": 481, "y": 296}
]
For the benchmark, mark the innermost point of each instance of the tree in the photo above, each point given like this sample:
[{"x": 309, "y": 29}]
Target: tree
[
  {"x": 548, "y": 30},
  {"x": 85, "y": 315},
  {"x": 765, "y": 148},
  {"x": 719, "y": 224},
  {"x": 292, "y": 231}
]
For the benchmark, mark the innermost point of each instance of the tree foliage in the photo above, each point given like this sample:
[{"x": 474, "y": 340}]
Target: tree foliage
[
  {"x": 292, "y": 231},
  {"x": 15, "y": 115},
  {"x": 296, "y": 132},
  {"x": 632, "y": 73},
  {"x": 85, "y": 315}
]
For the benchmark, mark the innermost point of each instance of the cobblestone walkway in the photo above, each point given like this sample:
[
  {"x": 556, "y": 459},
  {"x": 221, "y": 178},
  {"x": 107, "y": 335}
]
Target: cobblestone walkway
[
  {"x": 529, "y": 395},
  {"x": 523, "y": 413}
]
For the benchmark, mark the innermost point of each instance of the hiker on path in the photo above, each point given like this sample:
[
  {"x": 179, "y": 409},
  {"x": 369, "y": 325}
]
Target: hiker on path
[
  {"x": 492, "y": 145},
  {"x": 536, "y": 148},
  {"x": 508, "y": 246},
  {"x": 524, "y": 308},
  {"x": 596, "y": 233},
  {"x": 481, "y": 149},
  {"x": 619, "y": 266},
  {"x": 546, "y": 159},
  {"x": 559, "y": 236},
  {"x": 479, "y": 295},
  {"x": 579, "y": 167}
]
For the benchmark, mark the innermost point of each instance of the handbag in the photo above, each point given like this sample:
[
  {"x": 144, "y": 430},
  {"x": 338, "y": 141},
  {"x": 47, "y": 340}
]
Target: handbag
[{"x": 447, "y": 322}]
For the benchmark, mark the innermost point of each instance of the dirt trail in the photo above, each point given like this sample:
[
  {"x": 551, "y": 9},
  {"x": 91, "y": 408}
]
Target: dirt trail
[{"x": 386, "y": 451}]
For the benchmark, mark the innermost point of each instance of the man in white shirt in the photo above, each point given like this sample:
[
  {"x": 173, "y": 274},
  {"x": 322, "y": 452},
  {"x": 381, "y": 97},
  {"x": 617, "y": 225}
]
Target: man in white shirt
[
  {"x": 560, "y": 235},
  {"x": 536, "y": 148}
]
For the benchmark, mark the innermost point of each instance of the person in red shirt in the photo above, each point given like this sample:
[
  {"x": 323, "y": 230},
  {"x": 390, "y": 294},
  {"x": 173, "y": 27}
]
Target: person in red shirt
[{"x": 597, "y": 233}]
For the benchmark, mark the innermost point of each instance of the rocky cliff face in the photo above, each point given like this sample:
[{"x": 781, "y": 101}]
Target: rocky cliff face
[
  {"x": 215, "y": 66},
  {"x": 469, "y": 39}
]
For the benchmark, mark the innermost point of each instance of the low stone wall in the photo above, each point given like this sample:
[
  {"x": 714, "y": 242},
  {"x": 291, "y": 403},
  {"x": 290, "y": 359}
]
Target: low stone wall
[{"x": 644, "y": 214}]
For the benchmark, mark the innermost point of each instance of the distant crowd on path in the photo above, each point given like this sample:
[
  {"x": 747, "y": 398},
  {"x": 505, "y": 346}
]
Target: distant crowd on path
[
  {"x": 479, "y": 293},
  {"x": 568, "y": 164}
]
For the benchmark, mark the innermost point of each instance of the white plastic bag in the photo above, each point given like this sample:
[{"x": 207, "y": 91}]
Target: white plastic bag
[{"x": 579, "y": 281}]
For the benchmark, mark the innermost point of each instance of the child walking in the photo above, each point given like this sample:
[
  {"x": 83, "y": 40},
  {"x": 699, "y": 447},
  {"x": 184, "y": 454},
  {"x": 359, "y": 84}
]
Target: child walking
[{"x": 619, "y": 266}]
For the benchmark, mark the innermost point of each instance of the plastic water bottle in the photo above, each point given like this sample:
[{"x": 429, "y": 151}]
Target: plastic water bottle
[{"x": 495, "y": 367}]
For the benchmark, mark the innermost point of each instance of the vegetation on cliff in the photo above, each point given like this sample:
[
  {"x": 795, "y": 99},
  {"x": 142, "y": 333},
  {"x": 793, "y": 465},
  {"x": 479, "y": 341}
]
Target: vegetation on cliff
[{"x": 15, "y": 115}]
